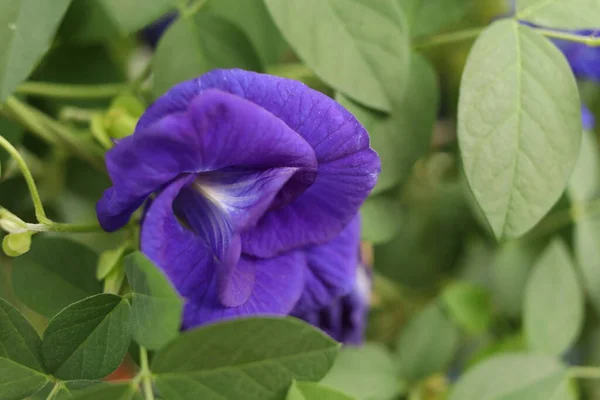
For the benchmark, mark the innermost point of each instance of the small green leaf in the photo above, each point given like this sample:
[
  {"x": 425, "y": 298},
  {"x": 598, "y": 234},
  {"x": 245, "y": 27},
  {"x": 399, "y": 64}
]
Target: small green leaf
[
  {"x": 109, "y": 260},
  {"x": 515, "y": 377},
  {"x": 53, "y": 274},
  {"x": 519, "y": 126},
  {"x": 156, "y": 307},
  {"x": 553, "y": 312},
  {"x": 18, "y": 382},
  {"x": 428, "y": 17},
  {"x": 584, "y": 184},
  {"x": 88, "y": 339},
  {"x": 469, "y": 306},
  {"x": 26, "y": 29},
  {"x": 587, "y": 253},
  {"x": 198, "y": 44},
  {"x": 358, "y": 47},
  {"x": 314, "y": 391},
  {"x": 367, "y": 372},
  {"x": 380, "y": 219},
  {"x": 427, "y": 344},
  {"x": 19, "y": 342},
  {"x": 261, "y": 355},
  {"x": 563, "y": 14},
  {"x": 115, "y": 391}
]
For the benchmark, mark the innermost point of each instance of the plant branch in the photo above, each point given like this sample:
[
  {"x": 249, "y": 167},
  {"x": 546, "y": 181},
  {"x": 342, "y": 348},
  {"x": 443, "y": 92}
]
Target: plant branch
[
  {"x": 146, "y": 374},
  {"x": 70, "y": 91}
]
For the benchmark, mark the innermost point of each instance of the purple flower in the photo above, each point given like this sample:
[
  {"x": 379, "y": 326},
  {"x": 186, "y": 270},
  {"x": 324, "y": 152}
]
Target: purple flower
[
  {"x": 257, "y": 182},
  {"x": 152, "y": 33},
  {"x": 584, "y": 60},
  {"x": 587, "y": 118}
]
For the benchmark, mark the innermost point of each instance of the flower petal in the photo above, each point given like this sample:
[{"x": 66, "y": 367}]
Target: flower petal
[
  {"x": 348, "y": 168},
  {"x": 584, "y": 59},
  {"x": 588, "y": 120},
  {"x": 214, "y": 131}
]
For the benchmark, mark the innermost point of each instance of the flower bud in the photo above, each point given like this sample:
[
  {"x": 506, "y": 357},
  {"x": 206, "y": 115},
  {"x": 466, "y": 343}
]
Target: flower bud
[
  {"x": 16, "y": 244},
  {"x": 122, "y": 116},
  {"x": 12, "y": 225}
]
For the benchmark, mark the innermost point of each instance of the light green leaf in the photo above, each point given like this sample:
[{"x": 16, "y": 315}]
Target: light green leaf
[
  {"x": 19, "y": 342},
  {"x": 115, "y": 391},
  {"x": 358, "y": 47},
  {"x": 553, "y": 311},
  {"x": 380, "y": 219},
  {"x": 367, "y": 372},
  {"x": 563, "y": 14},
  {"x": 584, "y": 184},
  {"x": 469, "y": 306},
  {"x": 88, "y": 339},
  {"x": 253, "y": 18},
  {"x": 427, "y": 344},
  {"x": 198, "y": 44},
  {"x": 53, "y": 274},
  {"x": 18, "y": 382},
  {"x": 109, "y": 260},
  {"x": 587, "y": 252},
  {"x": 519, "y": 126},
  {"x": 156, "y": 307},
  {"x": 515, "y": 377},
  {"x": 26, "y": 31},
  {"x": 314, "y": 391},
  {"x": 262, "y": 361},
  {"x": 428, "y": 17}
]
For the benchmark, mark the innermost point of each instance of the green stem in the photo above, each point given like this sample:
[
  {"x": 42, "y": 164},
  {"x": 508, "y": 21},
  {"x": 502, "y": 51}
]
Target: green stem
[
  {"x": 59, "y": 90},
  {"x": 55, "y": 389},
  {"x": 146, "y": 374},
  {"x": 591, "y": 40},
  {"x": 189, "y": 11},
  {"x": 585, "y": 372},
  {"x": 40, "y": 213},
  {"x": 51, "y": 226}
]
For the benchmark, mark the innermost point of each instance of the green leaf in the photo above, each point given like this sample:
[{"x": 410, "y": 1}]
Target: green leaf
[
  {"x": 519, "y": 126},
  {"x": 253, "y": 18},
  {"x": 380, "y": 218},
  {"x": 563, "y": 14},
  {"x": 70, "y": 390},
  {"x": 18, "y": 382},
  {"x": 195, "y": 45},
  {"x": 115, "y": 391},
  {"x": 469, "y": 306},
  {"x": 587, "y": 252},
  {"x": 367, "y": 372},
  {"x": 428, "y": 17},
  {"x": 358, "y": 47},
  {"x": 88, "y": 339},
  {"x": 427, "y": 344},
  {"x": 100, "y": 20},
  {"x": 26, "y": 29},
  {"x": 53, "y": 274},
  {"x": 584, "y": 184},
  {"x": 314, "y": 391},
  {"x": 515, "y": 377},
  {"x": 11, "y": 132},
  {"x": 261, "y": 355},
  {"x": 553, "y": 311},
  {"x": 19, "y": 341},
  {"x": 156, "y": 307},
  {"x": 109, "y": 260}
]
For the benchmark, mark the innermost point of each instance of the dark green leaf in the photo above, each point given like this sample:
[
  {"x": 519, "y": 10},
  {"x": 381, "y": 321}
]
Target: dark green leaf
[
  {"x": 19, "y": 342},
  {"x": 428, "y": 17},
  {"x": 11, "y": 132},
  {"x": 515, "y": 377},
  {"x": 469, "y": 306},
  {"x": 26, "y": 29},
  {"x": 553, "y": 312},
  {"x": 261, "y": 355},
  {"x": 116, "y": 391},
  {"x": 88, "y": 339},
  {"x": 367, "y": 372},
  {"x": 55, "y": 273},
  {"x": 18, "y": 382},
  {"x": 427, "y": 344},
  {"x": 156, "y": 307},
  {"x": 564, "y": 14},
  {"x": 314, "y": 391},
  {"x": 519, "y": 126},
  {"x": 70, "y": 389},
  {"x": 358, "y": 47},
  {"x": 195, "y": 45}
]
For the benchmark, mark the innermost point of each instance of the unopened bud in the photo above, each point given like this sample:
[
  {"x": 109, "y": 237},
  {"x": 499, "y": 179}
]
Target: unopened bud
[{"x": 16, "y": 244}]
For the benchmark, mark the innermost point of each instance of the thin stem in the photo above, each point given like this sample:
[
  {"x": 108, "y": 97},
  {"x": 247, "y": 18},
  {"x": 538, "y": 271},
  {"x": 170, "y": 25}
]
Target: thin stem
[
  {"x": 51, "y": 226},
  {"x": 69, "y": 91},
  {"x": 189, "y": 11},
  {"x": 591, "y": 40},
  {"x": 40, "y": 213},
  {"x": 146, "y": 374},
  {"x": 55, "y": 390},
  {"x": 445, "y": 38},
  {"x": 135, "y": 84},
  {"x": 585, "y": 372}
]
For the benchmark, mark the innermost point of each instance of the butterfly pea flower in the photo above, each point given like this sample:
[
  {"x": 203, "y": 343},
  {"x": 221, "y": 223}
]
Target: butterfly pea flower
[
  {"x": 587, "y": 118},
  {"x": 583, "y": 59},
  {"x": 252, "y": 185}
]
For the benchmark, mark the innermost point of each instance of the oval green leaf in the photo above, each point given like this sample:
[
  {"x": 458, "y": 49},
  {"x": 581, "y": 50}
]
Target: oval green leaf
[
  {"x": 553, "y": 311},
  {"x": 156, "y": 308},
  {"x": 26, "y": 28},
  {"x": 587, "y": 253},
  {"x": 584, "y": 184},
  {"x": 198, "y": 44},
  {"x": 519, "y": 126},
  {"x": 515, "y": 377},
  {"x": 359, "y": 47},
  {"x": 314, "y": 391},
  {"x": 115, "y": 391},
  {"x": 55, "y": 273},
  {"x": 563, "y": 14},
  {"x": 263, "y": 360},
  {"x": 469, "y": 306},
  {"x": 18, "y": 382},
  {"x": 428, "y": 17},
  {"x": 380, "y": 218},
  {"x": 19, "y": 341},
  {"x": 88, "y": 339}
]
